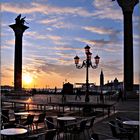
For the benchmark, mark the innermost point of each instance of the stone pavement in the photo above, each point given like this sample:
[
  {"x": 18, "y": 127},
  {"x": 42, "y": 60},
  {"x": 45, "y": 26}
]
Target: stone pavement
[{"x": 129, "y": 109}]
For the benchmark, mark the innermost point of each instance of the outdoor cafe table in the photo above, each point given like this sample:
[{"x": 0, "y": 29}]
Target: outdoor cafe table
[
  {"x": 132, "y": 123},
  {"x": 13, "y": 132},
  {"x": 22, "y": 113},
  {"x": 66, "y": 118},
  {"x": 19, "y": 114}
]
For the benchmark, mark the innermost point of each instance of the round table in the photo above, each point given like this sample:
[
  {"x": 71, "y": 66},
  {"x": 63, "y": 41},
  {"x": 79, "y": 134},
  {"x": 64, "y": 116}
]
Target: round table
[
  {"x": 22, "y": 113},
  {"x": 19, "y": 114},
  {"x": 66, "y": 118},
  {"x": 13, "y": 131},
  {"x": 132, "y": 123}
]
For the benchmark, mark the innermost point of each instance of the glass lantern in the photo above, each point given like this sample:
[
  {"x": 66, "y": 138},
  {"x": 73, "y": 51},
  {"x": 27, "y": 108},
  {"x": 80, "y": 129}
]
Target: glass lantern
[
  {"x": 76, "y": 59},
  {"x": 87, "y": 48},
  {"x": 97, "y": 58}
]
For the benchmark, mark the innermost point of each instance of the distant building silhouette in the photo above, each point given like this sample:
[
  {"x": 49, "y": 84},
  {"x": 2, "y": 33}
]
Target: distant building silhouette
[
  {"x": 101, "y": 79},
  {"x": 67, "y": 88},
  {"x": 116, "y": 83}
]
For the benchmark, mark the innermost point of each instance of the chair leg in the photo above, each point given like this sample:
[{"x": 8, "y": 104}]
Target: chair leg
[
  {"x": 88, "y": 133},
  {"x": 84, "y": 135},
  {"x": 36, "y": 126}
]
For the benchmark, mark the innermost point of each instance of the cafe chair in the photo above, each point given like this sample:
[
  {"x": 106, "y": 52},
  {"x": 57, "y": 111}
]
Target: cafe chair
[
  {"x": 121, "y": 125},
  {"x": 50, "y": 125},
  {"x": 44, "y": 135},
  {"x": 10, "y": 125},
  {"x": 41, "y": 119},
  {"x": 78, "y": 130},
  {"x": 89, "y": 126},
  {"x": 50, "y": 134},
  {"x": 5, "y": 121},
  {"x": 5, "y": 116},
  {"x": 60, "y": 123},
  {"x": 29, "y": 122},
  {"x": 121, "y": 134}
]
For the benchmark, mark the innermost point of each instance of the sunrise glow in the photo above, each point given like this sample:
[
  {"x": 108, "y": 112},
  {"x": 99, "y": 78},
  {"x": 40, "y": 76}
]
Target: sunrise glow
[{"x": 27, "y": 79}]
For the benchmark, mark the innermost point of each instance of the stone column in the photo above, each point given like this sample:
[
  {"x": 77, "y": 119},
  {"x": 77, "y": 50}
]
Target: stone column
[
  {"x": 18, "y": 29},
  {"x": 127, "y": 9}
]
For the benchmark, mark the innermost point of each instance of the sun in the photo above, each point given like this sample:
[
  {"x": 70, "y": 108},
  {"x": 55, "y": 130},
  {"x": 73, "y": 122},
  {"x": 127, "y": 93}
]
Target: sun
[{"x": 27, "y": 79}]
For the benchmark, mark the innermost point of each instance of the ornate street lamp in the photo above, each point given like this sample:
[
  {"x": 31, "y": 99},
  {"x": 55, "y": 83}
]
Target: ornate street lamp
[{"x": 87, "y": 64}]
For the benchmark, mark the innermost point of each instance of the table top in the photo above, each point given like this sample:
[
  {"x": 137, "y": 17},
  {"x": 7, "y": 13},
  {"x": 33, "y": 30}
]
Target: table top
[
  {"x": 22, "y": 113},
  {"x": 66, "y": 118},
  {"x": 131, "y": 122},
  {"x": 13, "y": 131}
]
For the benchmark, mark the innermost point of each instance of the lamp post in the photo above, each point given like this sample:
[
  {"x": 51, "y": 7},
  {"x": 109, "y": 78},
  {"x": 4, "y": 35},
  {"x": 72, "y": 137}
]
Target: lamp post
[{"x": 87, "y": 64}]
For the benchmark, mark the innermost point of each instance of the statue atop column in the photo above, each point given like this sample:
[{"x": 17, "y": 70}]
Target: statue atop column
[{"x": 19, "y": 20}]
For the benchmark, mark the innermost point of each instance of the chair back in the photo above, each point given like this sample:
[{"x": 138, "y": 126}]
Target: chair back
[
  {"x": 10, "y": 125},
  {"x": 5, "y": 116},
  {"x": 119, "y": 122},
  {"x": 41, "y": 118},
  {"x": 49, "y": 122},
  {"x": 50, "y": 134},
  {"x": 61, "y": 123},
  {"x": 92, "y": 121},
  {"x": 113, "y": 128},
  {"x": 29, "y": 120},
  {"x": 83, "y": 125}
]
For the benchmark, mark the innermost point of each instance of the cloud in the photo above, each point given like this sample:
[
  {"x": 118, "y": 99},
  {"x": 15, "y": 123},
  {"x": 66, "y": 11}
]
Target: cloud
[
  {"x": 101, "y": 30},
  {"x": 7, "y": 71},
  {"x": 112, "y": 68},
  {"x": 47, "y": 9},
  {"x": 7, "y": 44},
  {"x": 102, "y": 45},
  {"x": 19, "y": 8},
  {"x": 107, "y": 10},
  {"x": 54, "y": 37},
  {"x": 35, "y": 7},
  {"x": 67, "y": 48},
  {"x": 59, "y": 69},
  {"x": 49, "y": 21},
  {"x": 112, "y": 33},
  {"x": 35, "y": 35}
]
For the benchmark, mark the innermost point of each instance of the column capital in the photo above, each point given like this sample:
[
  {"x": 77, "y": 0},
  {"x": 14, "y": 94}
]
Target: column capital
[
  {"x": 127, "y": 5},
  {"x": 18, "y": 29},
  {"x": 19, "y": 26}
]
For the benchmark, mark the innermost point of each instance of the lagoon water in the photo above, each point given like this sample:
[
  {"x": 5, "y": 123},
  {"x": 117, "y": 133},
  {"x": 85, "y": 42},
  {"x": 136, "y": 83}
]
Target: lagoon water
[{"x": 46, "y": 98}]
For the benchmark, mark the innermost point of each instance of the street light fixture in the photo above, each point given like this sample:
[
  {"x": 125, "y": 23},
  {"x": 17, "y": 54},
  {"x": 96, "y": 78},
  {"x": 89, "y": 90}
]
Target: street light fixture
[{"x": 87, "y": 64}]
